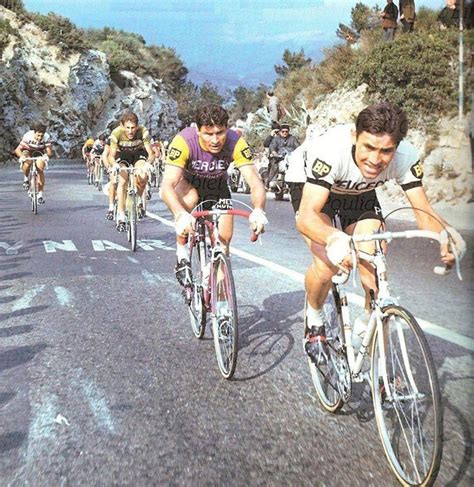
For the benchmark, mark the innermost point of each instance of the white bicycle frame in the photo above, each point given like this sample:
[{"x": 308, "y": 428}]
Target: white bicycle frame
[{"x": 384, "y": 298}]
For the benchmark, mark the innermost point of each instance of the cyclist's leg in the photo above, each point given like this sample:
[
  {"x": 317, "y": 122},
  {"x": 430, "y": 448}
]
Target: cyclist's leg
[
  {"x": 141, "y": 178},
  {"x": 112, "y": 191}
]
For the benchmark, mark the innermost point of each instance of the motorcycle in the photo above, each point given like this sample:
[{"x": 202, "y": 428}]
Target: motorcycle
[
  {"x": 237, "y": 183},
  {"x": 274, "y": 175}
]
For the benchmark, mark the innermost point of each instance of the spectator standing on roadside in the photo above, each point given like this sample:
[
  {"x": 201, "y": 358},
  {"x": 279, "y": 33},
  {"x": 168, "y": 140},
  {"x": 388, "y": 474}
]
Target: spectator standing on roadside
[
  {"x": 407, "y": 14},
  {"x": 272, "y": 101},
  {"x": 389, "y": 17}
]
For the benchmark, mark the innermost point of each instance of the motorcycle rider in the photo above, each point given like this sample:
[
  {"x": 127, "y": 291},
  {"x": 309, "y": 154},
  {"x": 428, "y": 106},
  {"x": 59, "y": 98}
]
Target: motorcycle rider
[{"x": 281, "y": 145}]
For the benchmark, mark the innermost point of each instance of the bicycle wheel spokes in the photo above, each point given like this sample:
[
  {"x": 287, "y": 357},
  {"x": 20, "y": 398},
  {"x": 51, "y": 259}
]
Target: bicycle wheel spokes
[
  {"x": 225, "y": 321},
  {"x": 34, "y": 193},
  {"x": 194, "y": 296},
  {"x": 409, "y": 416}
]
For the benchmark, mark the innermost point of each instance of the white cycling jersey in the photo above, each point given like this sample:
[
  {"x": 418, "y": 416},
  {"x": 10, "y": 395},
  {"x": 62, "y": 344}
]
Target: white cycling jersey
[
  {"x": 29, "y": 143},
  {"x": 330, "y": 163}
]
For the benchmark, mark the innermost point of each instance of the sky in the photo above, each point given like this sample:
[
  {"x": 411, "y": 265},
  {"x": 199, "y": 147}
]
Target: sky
[{"x": 229, "y": 42}]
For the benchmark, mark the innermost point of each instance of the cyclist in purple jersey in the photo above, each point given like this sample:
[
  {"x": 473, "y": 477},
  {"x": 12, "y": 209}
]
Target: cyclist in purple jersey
[{"x": 196, "y": 172}]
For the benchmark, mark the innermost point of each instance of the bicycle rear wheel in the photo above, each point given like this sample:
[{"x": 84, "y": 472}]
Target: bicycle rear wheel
[
  {"x": 326, "y": 376},
  {"x": 409, "y": 415},
  {"x": 195, "y": 295},
  {"x": 34, "y": 193},
  {"x": 225, "y": 319}
]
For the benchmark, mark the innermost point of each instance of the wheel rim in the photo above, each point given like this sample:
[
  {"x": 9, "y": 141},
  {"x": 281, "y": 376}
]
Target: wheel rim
[
  {"x": 225, "y": 322},
  {"x": 409, "y": 416}
]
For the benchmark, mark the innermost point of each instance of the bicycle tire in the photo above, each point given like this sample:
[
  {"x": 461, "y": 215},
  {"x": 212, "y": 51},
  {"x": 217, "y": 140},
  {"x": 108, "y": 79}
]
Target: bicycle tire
[
  {"x": 413, "y": 445},
  {"x": 196, "y": 306},
  {"x": 325, "y": 376},
  {"x": 34, "y": 194},
  {"x": 101, "y": 177},
  {"x": 132, "y": 218},
  {"x": 224, "y": 323}
]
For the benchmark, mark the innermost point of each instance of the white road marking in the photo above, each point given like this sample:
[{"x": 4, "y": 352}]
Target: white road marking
[
  {"x": 25, "y": 300},
  {"x": 428, "y": 327},
  {"x": 131, "y": 259},
  {"x": 66, "y": 245},
  {"x": 63, "y": 295},
  {"x": 98, "y": 405},
  {"x": 102, "y": 245},
  {"x": 11, "y": 249}
]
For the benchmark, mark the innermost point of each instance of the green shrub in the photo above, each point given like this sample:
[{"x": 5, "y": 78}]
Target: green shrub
[
  {"x": 5, "y": 31},
  {"x": 61, "y": 32},
  {"x": 13, "y": 5},
  {"x": 416, "y": 71}
]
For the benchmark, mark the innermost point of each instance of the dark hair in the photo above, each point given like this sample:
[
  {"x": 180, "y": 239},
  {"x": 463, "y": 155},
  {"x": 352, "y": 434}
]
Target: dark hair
[
  {"x": 211, "y": 114},
  {"x": 284, "y": 126},
  {"x": 129, "y": 117},
  {"x": 383, "y": 118},
  {"x": 39, "y": 127},
  {"x": 275, "y": 125},
  {"x": 102, "y": 137}
]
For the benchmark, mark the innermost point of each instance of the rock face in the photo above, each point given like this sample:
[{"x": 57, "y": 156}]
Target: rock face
[{"x": 75, "y": 95}]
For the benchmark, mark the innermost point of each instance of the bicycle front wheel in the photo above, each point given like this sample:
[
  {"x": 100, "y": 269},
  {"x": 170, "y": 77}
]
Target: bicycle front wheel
[
  {"x": 407, "y": 400},
  {"x": 132, "y": 223},
  {"x": 34, "y": 193},
  {"x": 225, "y": 320},
  {"x": 100, "y": 179}
]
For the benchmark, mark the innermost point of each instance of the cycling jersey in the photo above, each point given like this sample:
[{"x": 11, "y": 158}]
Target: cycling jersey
[
  {"x": 30, "y": 144},
  {"x": 331, "y": 163},
  {"x": 119, "y": 140},
  {"x": 98, "y": 147},
  {"x": 205, "y": 171},
  {"x": 186, "y": 152},
  {"x": 88, "y": 145}
]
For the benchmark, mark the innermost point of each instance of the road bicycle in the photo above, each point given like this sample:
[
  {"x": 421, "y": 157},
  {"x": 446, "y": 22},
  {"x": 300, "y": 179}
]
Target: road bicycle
[
  {"x": 403, "y": 378},
  {"x": 132, "y": 205},
  {"x": 33, "y": 183},
  {"x": 98, "y": 169},
  {"x": 211, "y": 288}
]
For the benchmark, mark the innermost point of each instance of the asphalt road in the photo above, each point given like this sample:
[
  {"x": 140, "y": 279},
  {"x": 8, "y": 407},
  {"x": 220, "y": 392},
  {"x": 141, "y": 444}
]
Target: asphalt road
[{"x": 103, "y": 383}]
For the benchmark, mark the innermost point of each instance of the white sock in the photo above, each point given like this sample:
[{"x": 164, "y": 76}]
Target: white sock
[
  {"x": 25, "y": 179},
  {"x": 40, "y": 194},
  {"x": 182, "y": 251},
  {"x": 111, "y": 207},
  {"x": 315, "y": 317},
  {"x": 120, "y": 216}
]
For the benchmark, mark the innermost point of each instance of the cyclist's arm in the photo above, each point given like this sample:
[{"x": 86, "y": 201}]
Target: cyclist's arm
[
  {"x": 151, "y": 154},
  {"x": 112, "y": 155},
  {"x": 428, "y": 219},
  {"x": 171, "y": 177},
  {"x": 19, "y": 151},
  {"x": 309, "y": 221},
  {"x": 49, "y": 151},
  {"x": 257, "y": 190}
]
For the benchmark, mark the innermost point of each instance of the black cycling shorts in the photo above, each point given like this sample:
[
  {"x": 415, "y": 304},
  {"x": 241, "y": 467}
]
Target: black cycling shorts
[
  {"x": 296, "y": 192},
  {"x": 130, "y": 158},
  {"x": 353, "y": 208},
  {"x": 212, "y": 192}
]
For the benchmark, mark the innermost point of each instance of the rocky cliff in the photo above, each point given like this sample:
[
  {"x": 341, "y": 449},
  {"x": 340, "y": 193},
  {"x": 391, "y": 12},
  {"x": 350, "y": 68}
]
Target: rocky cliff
[{"x": 74, "y": 95}]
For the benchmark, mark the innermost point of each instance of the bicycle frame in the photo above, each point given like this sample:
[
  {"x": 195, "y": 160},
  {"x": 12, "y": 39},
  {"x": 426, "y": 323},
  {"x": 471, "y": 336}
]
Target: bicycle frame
[
  {"x": 200, "y": 242},
  {"x": 383, "y": 299}
]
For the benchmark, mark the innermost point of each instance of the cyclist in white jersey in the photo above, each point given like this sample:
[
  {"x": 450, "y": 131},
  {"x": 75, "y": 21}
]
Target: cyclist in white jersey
[
  {"x": 35, "y": 143},
  {"x": 344, "y": 166}
]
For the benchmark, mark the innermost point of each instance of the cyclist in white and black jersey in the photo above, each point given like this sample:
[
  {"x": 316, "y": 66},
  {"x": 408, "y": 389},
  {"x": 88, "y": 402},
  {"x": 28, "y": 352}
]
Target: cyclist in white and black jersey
[
  {"x": 35, "y": 143},
  {"x": 344, "y": 166}
]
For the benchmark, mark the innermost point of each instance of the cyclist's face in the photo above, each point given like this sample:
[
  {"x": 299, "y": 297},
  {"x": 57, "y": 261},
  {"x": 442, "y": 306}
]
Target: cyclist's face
[
  {"x": 39, "y": 136},
  {"x": 373, "y": 153},
  {"x": 212, "y": 137},
  {"x": 130, "y": 129}
]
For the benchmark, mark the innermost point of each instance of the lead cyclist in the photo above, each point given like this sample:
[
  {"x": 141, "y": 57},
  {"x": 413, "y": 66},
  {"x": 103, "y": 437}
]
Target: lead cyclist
[{"x": 344, "y": 166}]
